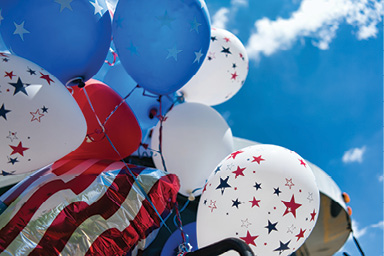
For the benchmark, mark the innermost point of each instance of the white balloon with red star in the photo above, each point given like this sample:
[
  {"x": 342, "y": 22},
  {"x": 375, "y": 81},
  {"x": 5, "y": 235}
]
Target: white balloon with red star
[
  {"x": 40, "y": 121},
  {"x": 222, "y": 73},
  {"x": 265, "y": 195}
]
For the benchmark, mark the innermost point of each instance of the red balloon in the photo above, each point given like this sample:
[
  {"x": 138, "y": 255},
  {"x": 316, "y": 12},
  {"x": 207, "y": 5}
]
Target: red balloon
[{"x": 122, "y": 131}]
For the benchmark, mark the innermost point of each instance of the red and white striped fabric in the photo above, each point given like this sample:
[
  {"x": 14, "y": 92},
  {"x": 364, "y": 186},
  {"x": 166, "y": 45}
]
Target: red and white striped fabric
[{"x": 85, "y": 207}]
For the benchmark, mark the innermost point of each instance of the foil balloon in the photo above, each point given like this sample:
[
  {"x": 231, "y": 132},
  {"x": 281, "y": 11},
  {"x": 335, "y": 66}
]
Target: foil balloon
[
  {"x": 161, "y": 43},
  {"x": 113, "y": 132},
  {"x": 265, "y": 195},
  {"x": 70, "y": 39},
  {"x": 40, "y": 122},
  {"x": 85, "y": 207},
  {"x": 223, "y": 72},
  {"x": 194, "y": 138}
]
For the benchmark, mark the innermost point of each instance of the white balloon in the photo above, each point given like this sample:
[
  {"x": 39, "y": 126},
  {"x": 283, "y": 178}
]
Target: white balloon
[
  {"x": 265, "y": 195},
  {"x": 222, "y": 73},
  {"x": 195, "y": 138},
  {"x": 40, "y": 121}
]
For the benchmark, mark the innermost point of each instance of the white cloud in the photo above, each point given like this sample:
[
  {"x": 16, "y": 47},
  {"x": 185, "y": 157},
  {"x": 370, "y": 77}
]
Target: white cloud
[
  {"x": 222, "y": 16},
  {"x": 317, "y": 19},
  {"x": 354, "y": 155},
  {"x": 220, "y": 19},
  {"x": 361, "y": 232}
]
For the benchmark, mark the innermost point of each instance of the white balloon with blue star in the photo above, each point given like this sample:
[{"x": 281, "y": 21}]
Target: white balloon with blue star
[{"x": 265, "y": 195}]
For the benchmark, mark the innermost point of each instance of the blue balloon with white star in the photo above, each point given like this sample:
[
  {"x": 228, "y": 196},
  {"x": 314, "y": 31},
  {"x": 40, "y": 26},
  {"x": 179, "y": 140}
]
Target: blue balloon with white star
[
  {"x": 161, "y": 43},
  {"x": 69, "y": 38}
]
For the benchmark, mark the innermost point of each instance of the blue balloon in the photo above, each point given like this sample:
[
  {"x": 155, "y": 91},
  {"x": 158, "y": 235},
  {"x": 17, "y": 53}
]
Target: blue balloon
[
  {"x": 161, "y": 43},
  {"x": 171, "y": 246},
  {"x": 144, "y": 105},
  {"x": 70, "y": 39}
]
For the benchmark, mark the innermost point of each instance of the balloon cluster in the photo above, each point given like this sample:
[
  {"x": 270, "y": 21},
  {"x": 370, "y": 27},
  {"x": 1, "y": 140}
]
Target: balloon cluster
[{"x": 89, "y": 80}]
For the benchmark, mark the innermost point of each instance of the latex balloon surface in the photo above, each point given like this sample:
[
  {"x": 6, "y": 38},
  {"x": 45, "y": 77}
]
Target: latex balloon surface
[
  {"x": 161, "y": 43},
  {"x": 70, "y": 39},
  {"x": 40, "y": 122},
  {"x": 223, "y": 72},
  {"x": 117, "y": 135},
  {"x": 265, "y": 195},
  {"x": 194, "y": 139}
]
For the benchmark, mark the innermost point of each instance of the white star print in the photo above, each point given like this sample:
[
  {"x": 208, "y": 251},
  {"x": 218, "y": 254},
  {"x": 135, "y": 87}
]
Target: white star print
[
  {"x": 20, "y": 30},
  {"x": 198, "y": 56},
  {"x": 98, "y": 8},
  {"x": 173, "y": 53}
]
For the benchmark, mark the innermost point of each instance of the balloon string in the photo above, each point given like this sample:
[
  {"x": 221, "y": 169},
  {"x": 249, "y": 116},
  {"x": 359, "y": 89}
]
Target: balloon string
[
  {"x": 184, "y": 247},
  {"x": 114, "y": 54},
  {"x": 162, "y": 119},
  {"x": 117, "y": 106},
  {"x": 126, "y": 165}
]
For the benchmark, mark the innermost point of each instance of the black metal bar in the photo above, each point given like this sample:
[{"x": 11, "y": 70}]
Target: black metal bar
[{"x": 223, "y": 246}]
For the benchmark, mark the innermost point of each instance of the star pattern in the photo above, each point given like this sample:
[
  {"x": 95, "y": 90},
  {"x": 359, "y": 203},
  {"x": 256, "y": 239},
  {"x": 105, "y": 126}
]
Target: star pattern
[
  {"x": 9, "y": 74},
  {"x": 234, "y": 76},
  {"x": 19, "y": 149},
  {"x": 226, "y": 50},
  {"x": 255, "y": 202},
  {"x": 1, "y": 17},
  {"x": 172, "y": 52},
  {"x": 31, "y": 72},
  {"x": 198, "y": 56},
  {"x": 239, "y": 171},
  {"x": 303, "y": 163},
  {"x": 217, "y": 169},
  {"x": 313, "y": 215},
  {"x": 212, "y": 205},
  {"x": 19, "y": 87},
  {"x": 36, "y": 116},
  {"x": 223, "y": 184},
  {"x": 257, "y": 186},
  {"x": 213, "y": 38},
  {"x": 133, "y": 49},
  {"x": 277, "y": 191},
  {"x": 46, "y": 77},
  {"x": 289, "y": 183},
  {"x": 44, "y": 109},
  {"x": 12, "y": 136},
  {"x": 4, "y": 112},
  {"x": 20, "y": 30},
  {"x": 234, "y": 154},
  {"x": 236, "y": 203},
  {"x": 12, "y": 160},
  {"x": 64, "y": 4},
  {"x": 98, "y": 8},
  {"x": 310, "y": 197},
  {"x": 166, "y": 20},
  {"x": 292, "y": 206},
  {"x": 249, "y": 239},
  {"x": 271, "y": 226},
  {"x": 195, "y": 25},
  {"x": 245, "y": 223},
  {"x": 257, "y": 159},
  {"x": 282, "y": 247},
  {"x": 301, "y": 234}
]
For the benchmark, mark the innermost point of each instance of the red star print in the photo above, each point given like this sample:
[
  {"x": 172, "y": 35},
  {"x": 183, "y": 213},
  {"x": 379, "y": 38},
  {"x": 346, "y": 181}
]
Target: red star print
[
  {"x": 234, "y": 75},
  {"x": 289, "y": 183},
  {"x": 255, "y": 202},
  {"x": 226, "y": 39},
  {"x": 212, "y": 205},
  {"x": 301, "y": 234},
  {"x": 3, "y": 54},
  {"x": 303, "y": 163},
  {"x": 249, "y": 239},
  {"x": 291, "y": 206},
  {"x": 234, "y": 154},
  {"x": 36, "y": 116},
  {"x": 9, "y": 74},
  {"x": 18, "y": 149},
  {"x": 241, "y": 56},
  {"x": 313, "y": 214},
  {"x": 46, "y": 77},
  {"x": 239, "y": 171},
  {"x": 257, "y": 159}
]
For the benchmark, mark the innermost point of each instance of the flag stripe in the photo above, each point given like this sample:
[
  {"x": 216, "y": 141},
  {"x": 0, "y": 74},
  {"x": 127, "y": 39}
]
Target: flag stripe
[
  {"x": 146, "y": 220},
  {"x": 11, "y": 230}
]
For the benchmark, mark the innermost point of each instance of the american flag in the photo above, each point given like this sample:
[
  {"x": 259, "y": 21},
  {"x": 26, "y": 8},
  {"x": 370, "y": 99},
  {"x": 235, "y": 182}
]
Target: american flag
[{"x": 85, "y": 207}]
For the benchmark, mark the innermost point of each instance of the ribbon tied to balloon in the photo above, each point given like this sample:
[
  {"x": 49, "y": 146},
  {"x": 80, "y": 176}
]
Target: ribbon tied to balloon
[{"x": 265, "y": 195}]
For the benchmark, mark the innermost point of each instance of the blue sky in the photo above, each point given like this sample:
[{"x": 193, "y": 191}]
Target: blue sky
[{"x": 315, "y": 86}]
